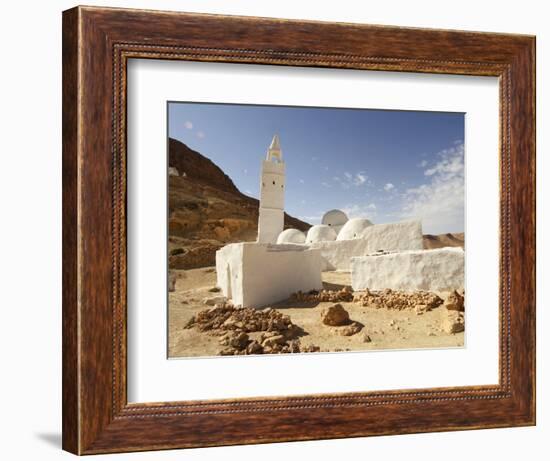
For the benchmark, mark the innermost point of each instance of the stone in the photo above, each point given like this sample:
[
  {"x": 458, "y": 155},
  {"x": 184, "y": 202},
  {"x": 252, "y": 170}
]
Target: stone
[
  {"x": 235, "y": 340},
  {"x": 350, "y": 330},
  {"x": 454, "y": 302},
  {"x": 311, "y": 348},
  {"x": 453, "y": 322},
  {"x": 343, "y": 295},
  {"x": 228, "y": 351},
  {"x": 294, "y": 346},
  {"x": 335, "y": 315},
  {"x": 172, "y": 277},
  {"x": 440, "y": 269},
  {"x": 367, "y": 338},
  {"x": 214, "y": 300},
  {"x": 272, "y": 341},
  {"x": 173, "y": 171},
  {"x": 254, "y": 348}
]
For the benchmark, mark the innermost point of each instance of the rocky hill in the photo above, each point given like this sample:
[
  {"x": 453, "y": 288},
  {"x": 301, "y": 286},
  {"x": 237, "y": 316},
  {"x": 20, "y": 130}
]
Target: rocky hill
[
  {"x": 443, "y": 240},
  {"x": 206, "y": 210}
]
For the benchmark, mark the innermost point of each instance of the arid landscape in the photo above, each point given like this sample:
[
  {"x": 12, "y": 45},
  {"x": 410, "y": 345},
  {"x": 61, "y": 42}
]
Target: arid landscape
[
  {"x": 207, "y": 211},
  {"x": 203, "y": 324}
]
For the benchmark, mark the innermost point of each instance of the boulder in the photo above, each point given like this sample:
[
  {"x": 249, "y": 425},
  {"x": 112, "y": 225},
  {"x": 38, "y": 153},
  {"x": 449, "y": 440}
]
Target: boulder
[
  {"x": 454, "y": 302},
  {"x": 453, "y": 322},
  {"x": 335, "y": 316}
]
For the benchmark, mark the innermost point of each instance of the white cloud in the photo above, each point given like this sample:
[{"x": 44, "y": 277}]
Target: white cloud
[
  {"x": 423, "y": 164},
  {"x": 440, "y": 201},
  {"x": 200, "y": 134},
  {"x": 449, "y": 165},
  {"x": 325, "y": 184},
  {"x": 188, "y": 125},
  {"x": 301, "y": 181},
  {"x": 349, "y": 179},
  {"x": 360, "y": 178},
  {"x": 356, "y": 210},
  {"x": 388, "y": 186},
  {"x": 315, "y": 219}
]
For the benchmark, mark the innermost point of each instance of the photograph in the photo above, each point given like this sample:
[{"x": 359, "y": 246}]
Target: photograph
[{"x": 313, "y": 229}]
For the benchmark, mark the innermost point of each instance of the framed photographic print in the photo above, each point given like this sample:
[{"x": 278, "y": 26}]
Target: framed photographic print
[{"x": 284, "y": 230}]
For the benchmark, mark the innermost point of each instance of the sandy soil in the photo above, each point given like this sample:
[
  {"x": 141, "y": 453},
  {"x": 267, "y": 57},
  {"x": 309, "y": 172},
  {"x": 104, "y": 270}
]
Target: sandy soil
[{"x": 387, "y": 328}]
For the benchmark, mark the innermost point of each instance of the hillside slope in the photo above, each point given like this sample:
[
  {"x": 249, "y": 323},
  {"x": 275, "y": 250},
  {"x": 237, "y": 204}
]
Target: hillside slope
[
  {"x": 443, "y": 240},
  {"x": 206, "y": 210}
]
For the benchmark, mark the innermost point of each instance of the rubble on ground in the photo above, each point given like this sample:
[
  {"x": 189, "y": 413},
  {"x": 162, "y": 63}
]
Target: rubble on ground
[
  {"x": 234, "y": 325},
  {"x": 224, "y": 317},
  {"x": 343, "y": 295},
  {"x": 421, "y": 301}
]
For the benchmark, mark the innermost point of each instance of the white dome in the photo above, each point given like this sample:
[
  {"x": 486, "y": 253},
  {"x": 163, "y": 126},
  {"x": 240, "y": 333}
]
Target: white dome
[
  {"x": 353, "y": 229},
  {"x": 320, "y": 233},
  {"x": 335, "y": 219},
  {"x": 291, "y": 236}
]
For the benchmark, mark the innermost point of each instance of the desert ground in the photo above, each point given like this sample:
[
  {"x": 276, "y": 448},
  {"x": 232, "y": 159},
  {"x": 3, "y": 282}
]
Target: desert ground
[{"x": 378, "y": 327}]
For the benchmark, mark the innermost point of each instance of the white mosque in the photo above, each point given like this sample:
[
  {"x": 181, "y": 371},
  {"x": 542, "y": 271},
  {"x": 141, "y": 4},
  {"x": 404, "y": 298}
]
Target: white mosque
[{"x": 282, "y": 262}]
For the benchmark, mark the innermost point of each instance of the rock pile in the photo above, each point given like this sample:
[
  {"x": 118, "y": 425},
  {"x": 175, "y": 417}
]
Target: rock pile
[
  {"x": 421, "y": 301},
  {"x": 233, "y": 325},
  {"x": 224, "y": 317},
  {"x": 334, "y": 296}
]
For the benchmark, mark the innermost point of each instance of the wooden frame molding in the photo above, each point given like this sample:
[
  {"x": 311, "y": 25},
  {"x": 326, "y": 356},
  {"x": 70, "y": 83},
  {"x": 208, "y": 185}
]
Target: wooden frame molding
[{"x": 97, "y": 44}]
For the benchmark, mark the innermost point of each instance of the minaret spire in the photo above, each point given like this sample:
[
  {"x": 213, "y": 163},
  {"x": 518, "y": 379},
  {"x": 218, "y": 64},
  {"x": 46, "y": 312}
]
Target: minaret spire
[
  {"x": 272, "y": 194},
  {"x": 274, "y": 151}
]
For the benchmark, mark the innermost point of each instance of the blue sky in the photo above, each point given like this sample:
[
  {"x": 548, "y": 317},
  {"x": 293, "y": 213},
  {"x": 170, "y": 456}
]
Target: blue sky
[{"x": 383, "y": 165}]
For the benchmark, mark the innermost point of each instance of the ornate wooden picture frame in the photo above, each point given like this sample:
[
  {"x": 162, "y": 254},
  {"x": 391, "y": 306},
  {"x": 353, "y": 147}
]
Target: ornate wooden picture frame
[{"x": 97, "y": 44}]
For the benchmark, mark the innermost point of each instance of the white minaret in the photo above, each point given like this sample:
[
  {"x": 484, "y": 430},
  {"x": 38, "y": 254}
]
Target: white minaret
[{"x": 272, "y": 194}]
